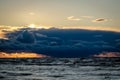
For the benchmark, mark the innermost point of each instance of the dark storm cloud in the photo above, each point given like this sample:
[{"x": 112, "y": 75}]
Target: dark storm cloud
[
  {"x": 26, "y": 37},
  {"x": 62, "y": 43}
]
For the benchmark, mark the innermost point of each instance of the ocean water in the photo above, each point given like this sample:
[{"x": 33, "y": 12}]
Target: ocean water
[{"x": 60, "y": 69}]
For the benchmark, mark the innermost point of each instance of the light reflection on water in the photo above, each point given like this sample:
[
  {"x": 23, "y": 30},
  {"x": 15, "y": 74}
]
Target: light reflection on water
[{"x": 58, "y": 69}]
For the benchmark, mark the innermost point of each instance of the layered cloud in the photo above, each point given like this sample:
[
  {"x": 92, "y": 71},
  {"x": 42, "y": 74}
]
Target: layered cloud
[
  {"x": 73, "y": 18},
  {"x": 108, "y": 54},
  {"x": 61, "y": 42},
  {"x": 26, "y": 37},
  {"x": 100, "y": 20}
]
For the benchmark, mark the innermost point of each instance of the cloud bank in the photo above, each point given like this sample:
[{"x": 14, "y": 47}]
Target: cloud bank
[{"x": 61, "y": 42}]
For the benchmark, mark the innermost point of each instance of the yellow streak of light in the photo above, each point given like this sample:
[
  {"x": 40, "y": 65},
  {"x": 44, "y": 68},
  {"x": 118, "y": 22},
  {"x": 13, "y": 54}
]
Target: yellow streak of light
[
  {"x": 21, "y": 55},
  {"x": 92, "y": 28},
  {"x": 38, "y": 26}
]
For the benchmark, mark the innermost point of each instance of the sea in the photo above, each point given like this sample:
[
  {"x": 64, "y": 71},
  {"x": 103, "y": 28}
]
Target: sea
[{"x": 60, "y": 69}]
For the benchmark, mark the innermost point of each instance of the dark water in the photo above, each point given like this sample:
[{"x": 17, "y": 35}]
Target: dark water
[{"x": 60, "y": 69}]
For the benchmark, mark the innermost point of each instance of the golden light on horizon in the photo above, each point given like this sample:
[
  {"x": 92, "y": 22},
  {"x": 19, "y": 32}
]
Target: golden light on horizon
[
  {"x": 21, "y": 55},
  {"x": 38, "y": 26},
  {"x": 35, "y": 26},
  {"x": 7, "y": 29},
  {"x": 32, "y": 26}
]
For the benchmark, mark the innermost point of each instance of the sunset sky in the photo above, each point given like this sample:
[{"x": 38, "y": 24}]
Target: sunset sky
[{"x": 87, "y": 14}]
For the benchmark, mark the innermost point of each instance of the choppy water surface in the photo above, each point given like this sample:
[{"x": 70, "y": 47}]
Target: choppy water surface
[{"x": 60, "y": 69}]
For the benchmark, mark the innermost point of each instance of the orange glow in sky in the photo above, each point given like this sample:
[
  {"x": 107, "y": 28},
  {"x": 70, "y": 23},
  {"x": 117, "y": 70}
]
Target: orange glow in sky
[
  {"x": 21, "y": 55},
  {"x": 108, "y": 54},
  {"x": 2, "y": 34}
]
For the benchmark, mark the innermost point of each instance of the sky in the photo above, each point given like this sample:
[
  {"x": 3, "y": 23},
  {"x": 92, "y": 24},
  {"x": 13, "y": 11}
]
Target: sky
[{"x": 86, "y": 14}]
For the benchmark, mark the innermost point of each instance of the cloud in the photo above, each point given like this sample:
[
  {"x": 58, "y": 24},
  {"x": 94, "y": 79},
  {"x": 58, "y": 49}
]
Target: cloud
[
  {"x": 21, "y": 55},
  {"x": 72, "y": 18},
  {"x": 40, "y": 35},
  {"x": 87, "y": 16},
  {"x": 53, "y": 42},
  {"x": 100, "y": 20},
  {"x": 26, "y": 37},
  {"x": 108, "y": 54}
]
